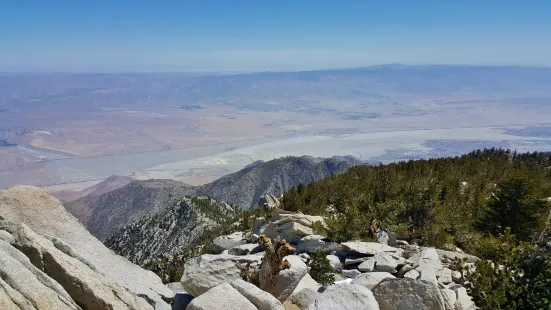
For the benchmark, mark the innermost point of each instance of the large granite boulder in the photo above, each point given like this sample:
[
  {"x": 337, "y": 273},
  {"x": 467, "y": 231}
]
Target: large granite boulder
[
  {"x": 408, "y": 294},
  {"x": 335, "y": 262},
  {"x": 289, "y": 279},
  {"x": 223, "y": 296},
  {"x": 45, "y": 215},
  {"x": 24, "y": 286},
  {"x": 81, "y": 280},
  {"x": 384, "y": 263},
  {"x": 371, "y": 279},
  {"x": 261, "y": 299},
  {"x": 207, "y": 271},
  {"x": 303, "y": 298},
  {"x": 370, "y": 248},
  {"x": 311, "y": 242},
  {"x": 222, "y": 243},
  {"x": 345, "y": 297}
]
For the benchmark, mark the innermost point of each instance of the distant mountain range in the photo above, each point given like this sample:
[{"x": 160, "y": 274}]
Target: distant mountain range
[{"x": 103, "y": 213}]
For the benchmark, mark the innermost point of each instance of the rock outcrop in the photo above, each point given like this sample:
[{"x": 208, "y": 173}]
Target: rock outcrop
[
  {"x": 68, "y": 251},
  {"x": 408, "y": 294},
  {"x": 345, "y": 297}
]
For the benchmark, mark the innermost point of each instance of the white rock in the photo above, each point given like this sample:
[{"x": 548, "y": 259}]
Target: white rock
[
  {"x": 345, "y": 297},
  {"x": 303, "y": 298},
  {"x": 371, "y": 279},
  {"x": 450, "y": 255},
  {"x": 408, "y": 294},
  {"x": 309, "y": 243},
  {"x": 464, "y": 301},
  {"x": 368, "y": 265},
  {"x": 261, "y": 299},
  {"x": 207, "y": 271},
  {"x": 352, "y": 260},
  {"x": 444, "y": 276},
  {"x": 429, "y": 264},
  {"x": 289, "y": 279},
  {"x": 307, "y": 282},
  {"x": 412, "y": 274},
  {"x": 369, "y": 248},
  {"x": 352, "y": 273},
  {"x": 223, "y": 296},
  {"x": 384, "y": 263},
  {"x": 456, "y": 276},
  {"x": 450, "y": 297},
  {"x": 221, "y": 243},
  {"x": 335, "y": 263}
]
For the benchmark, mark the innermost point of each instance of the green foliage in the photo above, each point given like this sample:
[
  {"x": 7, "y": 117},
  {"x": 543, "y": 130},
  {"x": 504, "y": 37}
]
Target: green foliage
[{"x": 320, "y": 268}]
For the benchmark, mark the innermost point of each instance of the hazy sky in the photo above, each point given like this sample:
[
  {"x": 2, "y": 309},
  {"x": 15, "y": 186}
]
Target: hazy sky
[{"x": 233, "y": 35}]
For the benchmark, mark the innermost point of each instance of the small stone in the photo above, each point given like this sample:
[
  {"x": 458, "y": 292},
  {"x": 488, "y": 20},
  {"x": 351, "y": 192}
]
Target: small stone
[
  {"x": 368, "y": 265},
  {"x": 335, "y": 262},
  {"x": 352, "y": 273}
]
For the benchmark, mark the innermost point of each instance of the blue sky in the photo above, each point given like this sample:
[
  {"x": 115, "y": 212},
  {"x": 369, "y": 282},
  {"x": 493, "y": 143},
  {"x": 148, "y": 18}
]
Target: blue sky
[{"x": 258, "y": 35}]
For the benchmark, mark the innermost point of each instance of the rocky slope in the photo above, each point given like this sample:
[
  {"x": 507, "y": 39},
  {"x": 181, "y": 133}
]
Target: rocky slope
[
  {"x": 181, "y": 226},
  {"x": 104, "y": 214},
  {"x": 37, "y": 231},
  {"x": 368, "y": 275},
  {"x": 111, "y": 183}
]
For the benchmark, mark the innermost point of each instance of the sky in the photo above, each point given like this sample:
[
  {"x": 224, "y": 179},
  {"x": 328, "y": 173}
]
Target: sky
[{"x": 244, "y": 36}]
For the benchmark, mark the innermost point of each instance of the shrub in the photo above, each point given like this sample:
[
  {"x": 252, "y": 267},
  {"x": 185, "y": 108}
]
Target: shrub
[{"x": 320, "y": 268}]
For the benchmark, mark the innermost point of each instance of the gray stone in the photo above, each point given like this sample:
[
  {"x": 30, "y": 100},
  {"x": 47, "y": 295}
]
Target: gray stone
[
  {"x": 85, "y": 285},
  {"x": 403, "y": 271},
  {"x": 335, "y": 262},
  {"x": 345, "y": 297},
  {"x": 261, "y": 299},
  {"x": 444, "y": 276},
  {"x": 22, "y": 285},
  {"x": 449, "y": 297},
  {"x": 181, "y": 301},
  {"x": 352, "y": 273},
  {"x": 303, "y": 298},
  {"x": 245, "y": 249},
  {"x": 176, "y": 287},
  {"x": 412, "y": 274},
  {"x": 207, "y": 271},
  {"x": 353, "y": 260},
  {"x": 429, "y": 264},
  {"x": 221, "y": 243},
  {"x": 408, "y": 294},
  {"x": 456, "y": 276},
  {"x": 311, "y": 242},
  {"x": 368, "y": 265},
  {"x": 307, "y": 282},
  {"x": 371, "y": 279},
  {"x": 385, "y": 263},
  {"x": 450, "y": 255},
  {"x": 369, "y": 248},
  {"x": 223, "y": 296},
  {"x": 289, "y": 279},
  {"x": 464, "y": 301}
]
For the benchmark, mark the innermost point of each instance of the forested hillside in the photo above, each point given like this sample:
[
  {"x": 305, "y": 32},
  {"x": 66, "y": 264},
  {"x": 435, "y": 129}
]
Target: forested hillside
[{"x": 491, "y": 203}]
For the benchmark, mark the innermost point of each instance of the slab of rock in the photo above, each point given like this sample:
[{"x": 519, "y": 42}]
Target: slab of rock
[
  {"x": 303, "y": 298},
  {"x": 444, "y": 276},
  {"x": 261, "y": 299},
  {"x": 291, "y": 231},
  {"x": 370, "y": 248},
  {"x": 429, "y": 264},
  {"x": 368, "y": 265},
  {"x": 245, "y": 249},
  {"x": 311, "y": 242},
  {"x": 412, "y": 274},
  {"x": 335, "y": 262},
  {"x": 353, "y": 260},
  {"x": 23, "y": 286},
  {"x": 449, "y": 297},
  {"x": 86, "y": 286},
  {"x": 221, "y": 243},
  {"x": 289, "y": 279},
  {"x": 307, "y": 282},
  {"x": 46, "y": 216},
  {"x": 450, "y": 255},
  {"x": 223, "y": 296},
  {"x": 351, "y": 273},
  {"x": 207, "y": 271},
  {"x": 408, "y": 294},
  {"x": 345, "y": 297},
  {"x": 385, "y": 263},
  {"x": 463, "y": 301},
  {"x": 371, "y": 279}
]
